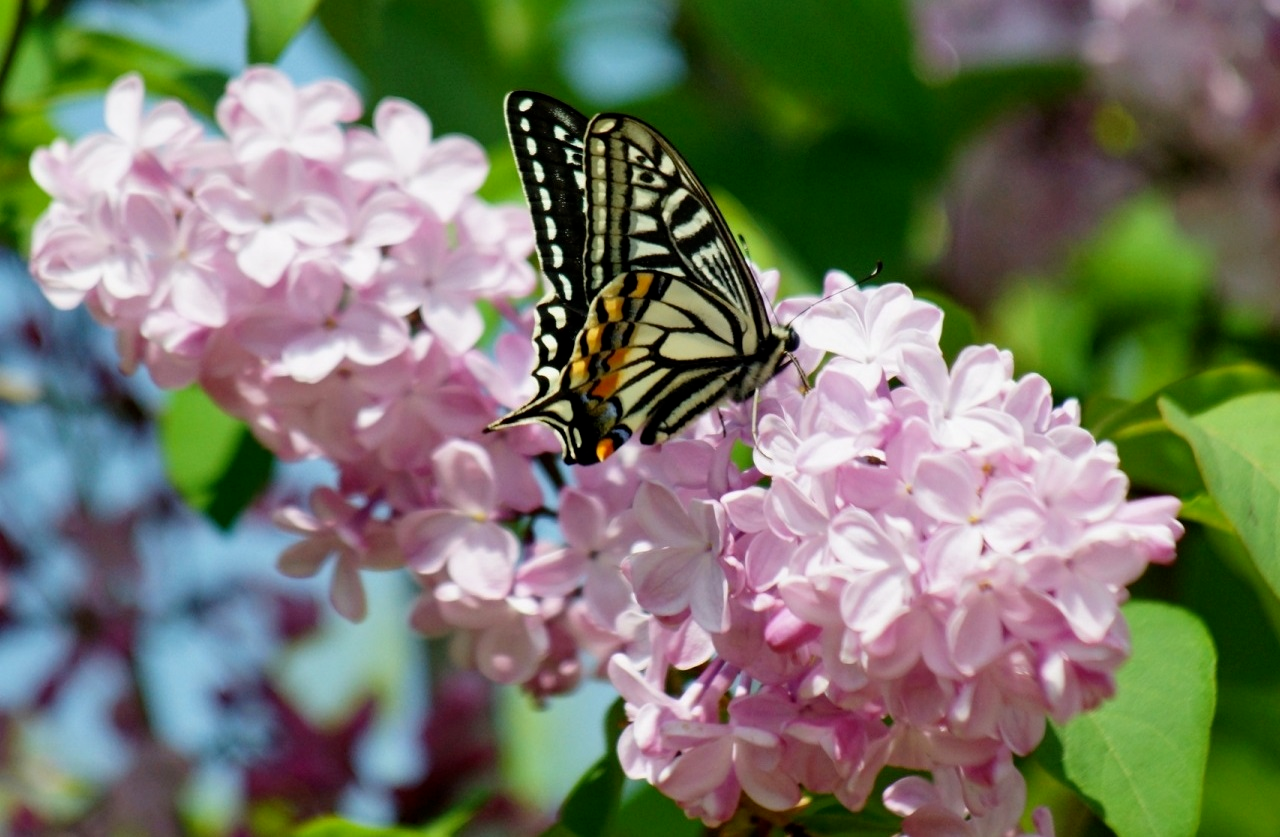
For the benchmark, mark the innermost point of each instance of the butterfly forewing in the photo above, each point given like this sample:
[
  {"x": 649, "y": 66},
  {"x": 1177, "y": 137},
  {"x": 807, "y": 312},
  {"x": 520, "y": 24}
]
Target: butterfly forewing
[
  {"x": 547, "y": 139},
  {"x": 648, "y": 210}
]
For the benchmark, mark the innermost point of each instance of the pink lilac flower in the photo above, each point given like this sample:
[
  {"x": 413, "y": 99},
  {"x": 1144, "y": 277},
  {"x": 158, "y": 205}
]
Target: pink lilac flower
[
  {"x": 913, "y": 545},
  {"x": 338, "y": 528},
  {"x": 463, "y": 534}
]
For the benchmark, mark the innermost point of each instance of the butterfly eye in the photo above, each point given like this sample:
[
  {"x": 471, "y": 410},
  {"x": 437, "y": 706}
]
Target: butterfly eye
[{"x": 793, "y": 341}]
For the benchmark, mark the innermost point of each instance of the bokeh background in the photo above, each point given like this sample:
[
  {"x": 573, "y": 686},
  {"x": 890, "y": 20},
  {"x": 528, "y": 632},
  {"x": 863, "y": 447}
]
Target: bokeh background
[{"x": 1094, "y": 184}]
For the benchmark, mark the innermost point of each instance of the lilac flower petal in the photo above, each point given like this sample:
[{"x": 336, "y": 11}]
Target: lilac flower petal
[
  {"x": 466, "y": 477},
  {"x": 1011, "y": 516},
  {"x": 123, "y": 106},
  {"x": 582, "y": 519},
  {"x": 265, "y": 255},
  {"x": 699, "y": 770},
  {"x": 509, "y": 651},
  {"x": 482, "y": 559},
  {"x": 975, "y": 633},
  {"x": 305, "y": 558},
  {"x": 372, "y": 336},
  {"x": 764, "y": 782},
  {"x": 312, "y": 355},
  {"x": 709, "y": 596},
  {"x": 946, "y": 487},
  {"x": 664, "y": 517},
  {"x": 1090, "y": 608},
  {"x": 346, "y": 591},
  {"x": 663, "y": 578}
]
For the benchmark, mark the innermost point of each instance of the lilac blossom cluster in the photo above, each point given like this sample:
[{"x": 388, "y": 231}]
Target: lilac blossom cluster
[
  {"x": 923, "y": 563},
  {"x": 933, "y": 567},
  {"x": 319, "y": 281}
]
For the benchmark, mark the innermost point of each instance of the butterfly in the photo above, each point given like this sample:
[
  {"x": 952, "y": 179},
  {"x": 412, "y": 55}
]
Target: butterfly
[{"x": 653, "y": 314}]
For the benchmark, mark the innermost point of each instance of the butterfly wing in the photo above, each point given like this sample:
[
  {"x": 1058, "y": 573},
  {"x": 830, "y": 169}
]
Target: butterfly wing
[
  {"x": 547, "y": 140},
  {"x": 656, "y": 351},
  {"x": 676, "y": 321},
  {"x": 647, "y": 210}
]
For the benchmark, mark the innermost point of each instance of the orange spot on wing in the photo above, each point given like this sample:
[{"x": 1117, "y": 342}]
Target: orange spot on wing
[
  {"x": 593, "y": 337},
  {"x": 613, "y": 308},
  {"x": 643, "y": 282},
  {"x": 605, "y": 449},
  {"x": 578, "y": 369},
  {"x": 606, "y": 386}
]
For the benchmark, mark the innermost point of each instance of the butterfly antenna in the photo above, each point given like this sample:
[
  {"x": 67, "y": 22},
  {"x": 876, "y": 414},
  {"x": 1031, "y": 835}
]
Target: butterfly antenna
[{"x": 873, "y": 274}]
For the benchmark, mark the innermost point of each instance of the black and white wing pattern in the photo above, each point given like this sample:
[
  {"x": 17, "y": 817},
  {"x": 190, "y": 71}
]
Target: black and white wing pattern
[
  {"x": 547, "y": 141},
  {"x": 675, "y": 321}
]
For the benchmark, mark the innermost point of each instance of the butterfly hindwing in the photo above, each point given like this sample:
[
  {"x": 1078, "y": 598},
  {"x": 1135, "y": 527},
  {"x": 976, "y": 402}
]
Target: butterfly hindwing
[
  {"x": 660, "y": 317},
  {"x": 655, "y": 352}
]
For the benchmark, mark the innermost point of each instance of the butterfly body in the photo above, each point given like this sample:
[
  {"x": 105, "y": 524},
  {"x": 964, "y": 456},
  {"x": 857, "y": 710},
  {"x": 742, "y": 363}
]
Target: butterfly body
[{"x": 653, "y": 315}]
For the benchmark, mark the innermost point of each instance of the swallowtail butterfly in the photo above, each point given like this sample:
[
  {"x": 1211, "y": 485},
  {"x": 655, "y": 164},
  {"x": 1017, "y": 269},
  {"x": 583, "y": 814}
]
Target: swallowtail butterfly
[{"x": 653, "y": 314}]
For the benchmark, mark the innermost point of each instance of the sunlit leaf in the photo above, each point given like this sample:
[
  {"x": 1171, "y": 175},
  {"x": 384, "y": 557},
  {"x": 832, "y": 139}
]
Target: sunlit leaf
[
  {"x": 1049, "y": 331},
  {"x": 212, "y": 459},
  {"x": 273, "y": 24},
  {"x": 445, "y": 825},
  {"x": 1237, "y": 446},
  {"x": 1140, "y": 759},
  {"x": 646, "y": 812},
  {"x": 808, "y": 47},
  {"x": 1142, "y": 261}
]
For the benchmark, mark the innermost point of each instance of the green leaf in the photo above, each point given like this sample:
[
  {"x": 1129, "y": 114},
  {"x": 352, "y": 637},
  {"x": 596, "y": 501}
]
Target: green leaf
[
  {"x": 832, "y": 819},
  {"x": 272, "y": 25},
  {"x": 1217, "y": 580},
  {"x": 851, "y": 60},
  {"x": 647, "y": 812},
  {"x": 1141, "y": 262},
  {"x": 213, "y": 461},
  {"x": 1237, "y": 446},
  {"x": 594, "y": 800},
  {"x": 338, "y": 827},
  {"x": 1194, "y": 394},
  {"x": 1201, "y": 509},
  {"x": 1139, "y": 760},
  {"x": 1049, "y": 330},
  {"x": 88, "y": 62},
  {"x": 438, "y": 54},
  {"x": 10, "y": 18},
  {"x": 1150, "y": 453}
]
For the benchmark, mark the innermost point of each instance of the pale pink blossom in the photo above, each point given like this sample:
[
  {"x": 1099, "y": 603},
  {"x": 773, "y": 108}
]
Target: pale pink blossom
[
  {"x": 463, "y": 535},
  {"x": 263, "y": 113},
  {"x": 439, "y": 172},
  {"x": 682, "y": 570},
  {"x": 337, "y": 528}
]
